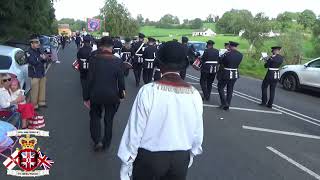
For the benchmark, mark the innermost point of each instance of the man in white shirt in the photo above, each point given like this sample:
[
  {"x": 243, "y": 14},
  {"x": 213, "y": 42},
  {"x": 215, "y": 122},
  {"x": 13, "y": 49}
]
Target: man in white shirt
[{"x": 165, "y": 127}]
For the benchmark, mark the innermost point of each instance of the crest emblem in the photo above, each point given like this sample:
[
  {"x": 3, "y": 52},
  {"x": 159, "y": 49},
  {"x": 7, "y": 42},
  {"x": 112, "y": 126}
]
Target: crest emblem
[{"x": 28, "y": 159}]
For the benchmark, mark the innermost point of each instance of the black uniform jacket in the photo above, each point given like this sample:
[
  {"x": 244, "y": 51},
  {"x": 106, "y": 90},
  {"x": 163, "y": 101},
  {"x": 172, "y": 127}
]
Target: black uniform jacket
[
  {"x": 106, "y": 78},
  {"x": 209, "y": 60}
]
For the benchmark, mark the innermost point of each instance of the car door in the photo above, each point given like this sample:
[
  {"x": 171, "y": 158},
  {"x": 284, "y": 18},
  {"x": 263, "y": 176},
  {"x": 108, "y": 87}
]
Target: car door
[{"x": 311, "y": 74}]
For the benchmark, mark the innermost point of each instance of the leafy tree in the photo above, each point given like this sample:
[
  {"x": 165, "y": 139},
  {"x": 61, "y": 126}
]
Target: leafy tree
[
  {"x": 286, "y": 20},
  {"x": 233, "y": 21},
  {"x": 255, "y": 31},
  {"x": 292, "y": 50},
  {"x": 307, "y": 18},
  {"x": 196, "y": 23},
  {"x": 316, "y": 37},
  {"x": 210, "y": 18},
  {"x": 20, "y": 18},
  {"x": 118, "y": 19},
  {"x": 140, "y": 19}
]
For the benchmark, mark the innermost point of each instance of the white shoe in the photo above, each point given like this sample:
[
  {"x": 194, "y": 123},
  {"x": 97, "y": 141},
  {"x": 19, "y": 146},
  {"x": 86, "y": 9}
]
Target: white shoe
[{"x": 57, "y": 62}]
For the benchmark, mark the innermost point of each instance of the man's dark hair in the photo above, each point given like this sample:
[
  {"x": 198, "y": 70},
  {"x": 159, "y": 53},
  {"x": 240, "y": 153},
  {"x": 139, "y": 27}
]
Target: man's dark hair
[{"x": 106, "y": 41}]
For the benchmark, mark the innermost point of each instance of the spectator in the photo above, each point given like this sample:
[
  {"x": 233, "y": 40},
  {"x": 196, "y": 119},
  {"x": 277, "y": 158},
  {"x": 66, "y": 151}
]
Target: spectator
[
  {"x": 6, "y": 101},
  {"x": 36, "y": 71}
]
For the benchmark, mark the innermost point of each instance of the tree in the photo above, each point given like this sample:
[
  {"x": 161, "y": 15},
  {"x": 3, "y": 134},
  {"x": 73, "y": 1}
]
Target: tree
[
  {"x": 233, "y": 21},
  {"x": 316, "y": 37},
  {"x": 307, "y": 18},
  {"x": 140, "y": 19},
  {"x": 255, "y": 31},
  {"x": 286, "y": 20},
  {"x": 196, "y": 23},
  {"x": 118, "y": 19},
  {"x": 20, "y": 18},
  {"x": 210, "y": 18},
  {"x": 292, "y": 50},
  {"x": 147, "y": 21},
  {"x": 169, "y": 19}
]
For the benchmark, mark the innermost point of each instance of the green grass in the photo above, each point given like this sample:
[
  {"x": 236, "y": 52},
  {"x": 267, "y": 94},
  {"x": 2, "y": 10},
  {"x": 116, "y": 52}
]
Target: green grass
[
  {"x": 253, "y": 68},
  {"x": 159, "y": 32}
]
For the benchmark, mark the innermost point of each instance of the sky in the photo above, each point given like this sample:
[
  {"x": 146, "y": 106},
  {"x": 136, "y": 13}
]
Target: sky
[{"x": 184, "y": 9}]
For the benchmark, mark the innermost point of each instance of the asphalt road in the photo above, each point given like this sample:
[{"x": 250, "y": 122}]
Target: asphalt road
[{"x": 247, "y": 143}]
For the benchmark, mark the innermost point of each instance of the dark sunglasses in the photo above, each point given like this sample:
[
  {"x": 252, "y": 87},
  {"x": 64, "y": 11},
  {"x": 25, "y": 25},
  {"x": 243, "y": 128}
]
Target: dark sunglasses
[{"x": 6, "y": 80}]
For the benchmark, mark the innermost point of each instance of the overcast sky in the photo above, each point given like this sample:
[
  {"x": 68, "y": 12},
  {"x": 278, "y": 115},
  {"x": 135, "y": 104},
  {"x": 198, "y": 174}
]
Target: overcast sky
[{"x": 184, "y": 9}]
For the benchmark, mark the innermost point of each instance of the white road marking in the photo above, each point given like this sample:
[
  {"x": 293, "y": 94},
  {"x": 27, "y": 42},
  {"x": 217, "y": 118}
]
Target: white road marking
[
  {"x": 281, "y": 132},
  {"x": 276, "y": 107},
  {"x": 245, "y": 109},
  {"x": 193, "y": 83},
  {"x": 303, "y": 168}
]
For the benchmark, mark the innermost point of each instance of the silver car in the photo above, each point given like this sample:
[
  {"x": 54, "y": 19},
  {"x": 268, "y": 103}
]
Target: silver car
[
  {"x": 301, "y": 76},
  {"x": 12, "y": 61}
]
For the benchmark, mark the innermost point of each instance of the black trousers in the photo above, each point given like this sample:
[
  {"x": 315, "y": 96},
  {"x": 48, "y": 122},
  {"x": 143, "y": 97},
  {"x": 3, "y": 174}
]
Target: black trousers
[
  {"x": 147, "y": 75},
  {"x": 183, "y": 74},
  {"x": 95, "y": 122},
  {"x": 161, "y": 165},
  {"x": 137, "y": 68},
  {"x": 221, "y": 85},
  {"x": 157, "y": 75},
  {"x": 85, "y": 86},
  {"x": 264, "y": 87},
  {"x": 206, "y": 80}
]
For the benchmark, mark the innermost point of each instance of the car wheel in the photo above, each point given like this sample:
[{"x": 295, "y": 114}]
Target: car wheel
[{"x": 289, "y": 82}]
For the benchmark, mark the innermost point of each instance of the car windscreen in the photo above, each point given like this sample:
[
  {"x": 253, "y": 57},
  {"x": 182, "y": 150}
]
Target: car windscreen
[
  {"x": 5, "y": 62},
  {"x": 199, "y": 46}
]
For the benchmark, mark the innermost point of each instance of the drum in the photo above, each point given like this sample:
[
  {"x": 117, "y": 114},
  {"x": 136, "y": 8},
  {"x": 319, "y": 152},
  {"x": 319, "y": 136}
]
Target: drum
[{"x": 197, "y": 64}]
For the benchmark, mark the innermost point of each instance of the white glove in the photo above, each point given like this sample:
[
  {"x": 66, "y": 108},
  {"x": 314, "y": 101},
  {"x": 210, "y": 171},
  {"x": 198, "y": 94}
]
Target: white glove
[
  {"x": 125, "y": 171},
  {"x": 191, "y": 160}
]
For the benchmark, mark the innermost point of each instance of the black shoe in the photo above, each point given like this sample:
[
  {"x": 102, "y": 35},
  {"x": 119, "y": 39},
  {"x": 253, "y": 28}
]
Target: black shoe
[
  {"x": 226, "y": 108},
  {"x": 97, "y": 147},
  {"x": 269, "y": 106},
  {"x": 262, "y": 104},
  {"x": 221, "y": 106}
]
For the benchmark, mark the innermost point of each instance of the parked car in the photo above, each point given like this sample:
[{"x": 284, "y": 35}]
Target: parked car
[
  {"x": 13, "y": 61},
  {"x": 198, "y": 46},
  {"x": 306, "y": 75}
]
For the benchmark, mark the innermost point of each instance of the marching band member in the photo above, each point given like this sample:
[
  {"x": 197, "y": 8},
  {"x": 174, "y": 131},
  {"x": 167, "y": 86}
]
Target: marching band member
[
  {"x": 228, "y": 73},
  {"x": 149, "y": 56},
  {"x": 106, "y": 88},
  {"x": 126, "y": 56},
  {"x": 183, "y": 72},
  {"x": 138, "y": 48},
  {"x": 83, "y": 56},
  {"x": 209, "y": 67},
  {"x": 165, "y": 127},
  {"x": 272, "y": 77}
]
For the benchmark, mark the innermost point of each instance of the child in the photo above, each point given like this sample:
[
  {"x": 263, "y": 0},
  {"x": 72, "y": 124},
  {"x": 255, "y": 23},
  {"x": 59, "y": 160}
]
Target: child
[{"x": 25, "y": 109}]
